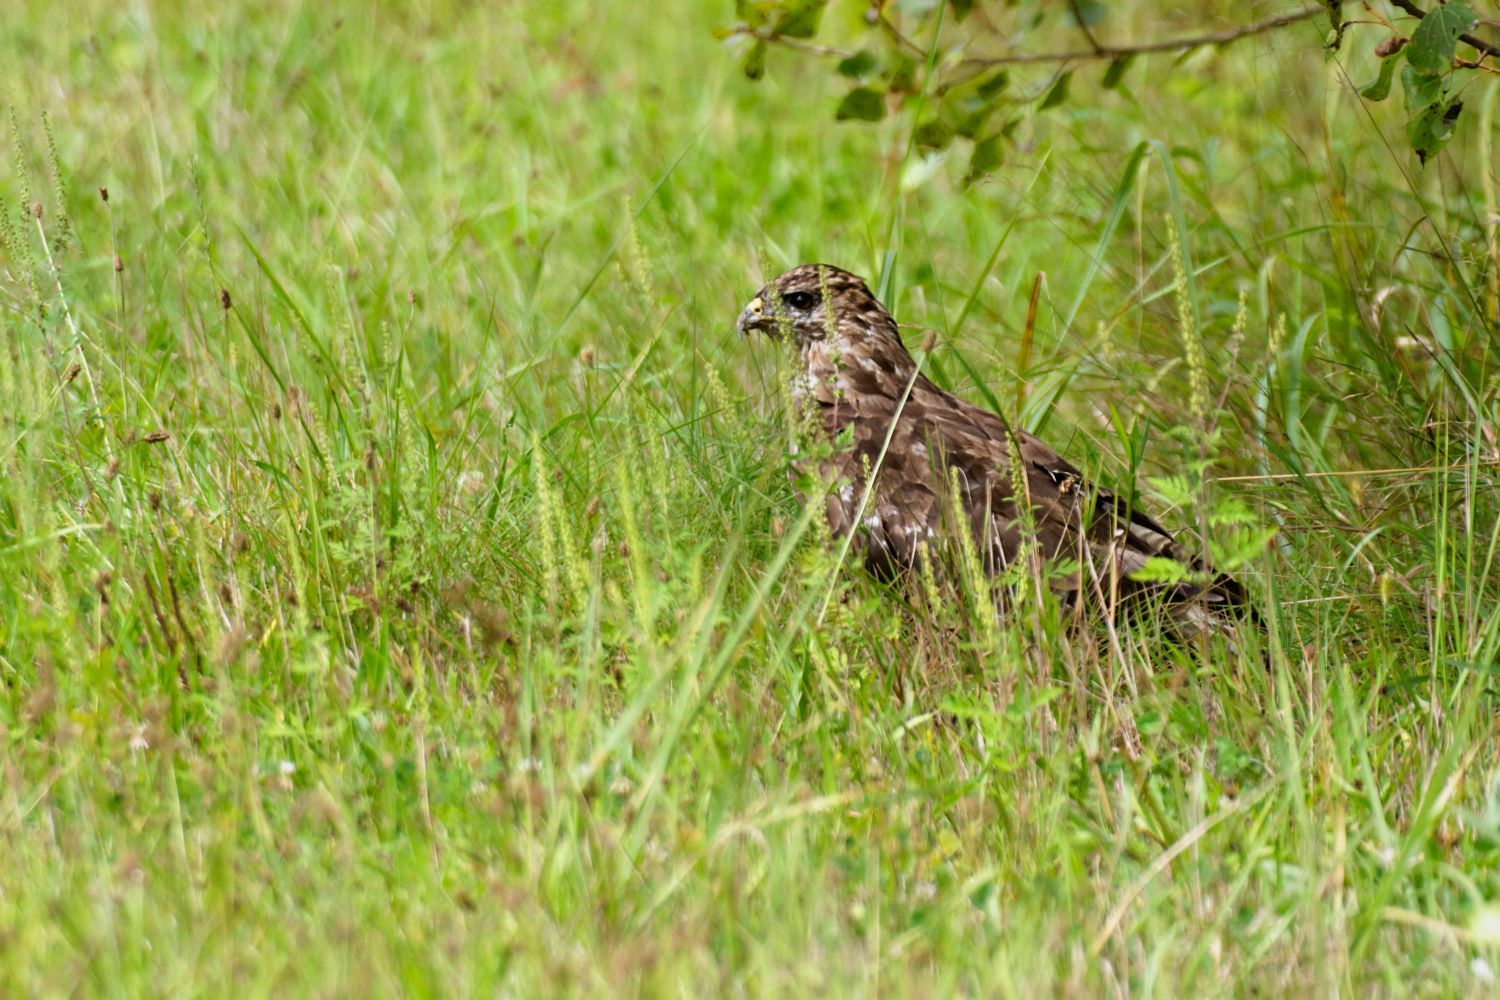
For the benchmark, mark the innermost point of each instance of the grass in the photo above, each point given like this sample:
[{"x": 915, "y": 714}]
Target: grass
[{"x": 401, "y": 590}]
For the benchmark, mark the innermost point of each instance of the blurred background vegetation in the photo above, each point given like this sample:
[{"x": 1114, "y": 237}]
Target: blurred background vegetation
[{"x": 400, "y": 588}]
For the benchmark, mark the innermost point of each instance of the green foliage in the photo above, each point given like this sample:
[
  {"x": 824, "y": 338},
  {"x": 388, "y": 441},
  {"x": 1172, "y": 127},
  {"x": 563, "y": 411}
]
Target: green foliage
[
  {"x": 1428, "y": 78},
  {"x": 1058, "y": 92},
  {"x": 864, "y": 104},
  {"x": 1434, "y": 43},
  {"x": 1115, "y": 72},
  {"x": 1431, "y": 129},
  {"x": 799, "y": 18},
  {"x": 1380, "y": 88},
  {"x": 906, "y": 35}
]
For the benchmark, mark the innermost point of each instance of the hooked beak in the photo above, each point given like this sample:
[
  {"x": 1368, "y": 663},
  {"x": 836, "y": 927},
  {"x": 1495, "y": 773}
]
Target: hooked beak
[{"x": 752, "y": 317}]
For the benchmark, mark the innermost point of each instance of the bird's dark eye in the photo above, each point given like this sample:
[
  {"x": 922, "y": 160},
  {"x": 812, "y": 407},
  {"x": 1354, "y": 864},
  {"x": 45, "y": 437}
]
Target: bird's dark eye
[{"x": 801, "y": 301}]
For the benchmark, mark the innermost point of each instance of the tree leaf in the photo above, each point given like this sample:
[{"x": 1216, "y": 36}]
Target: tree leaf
[
  {"x": 1430, "y": 130},
  {"x": 755, "y": 13},
  {"x": 1435, "y": 41},
  {"x": 859, "y": 64},
  {"x": 1058, "y": 92},
  {"x": 799, "y": 18},
  {"x": 1087, "y": 13},
  {"x": 1116, "y": 71},
  {"x": 934, "y": 134},
  {"x": 1419, "y": 89},
  {"x": 1380, "y": 88},
  {"x": 865, "y": 104},
  {"x": 755, "y": 61},
  {"x": 988, "y": 154},
  {"x": 993, "y": 86}
]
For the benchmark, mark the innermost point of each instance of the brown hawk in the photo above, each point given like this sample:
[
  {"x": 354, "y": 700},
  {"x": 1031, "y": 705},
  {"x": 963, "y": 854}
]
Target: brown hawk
[{"x": 921, "y": 444}]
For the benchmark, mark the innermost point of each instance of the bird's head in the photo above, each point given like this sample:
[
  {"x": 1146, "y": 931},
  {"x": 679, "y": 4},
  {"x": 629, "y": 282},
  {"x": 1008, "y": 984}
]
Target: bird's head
[{"x": 809, "y": 302}]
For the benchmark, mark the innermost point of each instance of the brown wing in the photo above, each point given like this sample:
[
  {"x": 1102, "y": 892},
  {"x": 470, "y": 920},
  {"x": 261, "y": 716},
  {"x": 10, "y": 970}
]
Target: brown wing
[{"x": 940, "y": 439}]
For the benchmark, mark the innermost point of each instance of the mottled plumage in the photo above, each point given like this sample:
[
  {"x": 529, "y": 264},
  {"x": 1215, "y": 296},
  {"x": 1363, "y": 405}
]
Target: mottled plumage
[{"x": 857, "y": 376}]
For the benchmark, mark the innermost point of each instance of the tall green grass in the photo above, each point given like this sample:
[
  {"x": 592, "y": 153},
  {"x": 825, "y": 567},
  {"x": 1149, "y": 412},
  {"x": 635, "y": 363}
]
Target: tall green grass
[{"x": 401, "y": 589}]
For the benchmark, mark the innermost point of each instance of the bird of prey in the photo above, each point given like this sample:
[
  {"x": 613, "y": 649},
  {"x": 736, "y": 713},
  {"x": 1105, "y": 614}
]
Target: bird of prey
[{"x": 936, "y": 460}]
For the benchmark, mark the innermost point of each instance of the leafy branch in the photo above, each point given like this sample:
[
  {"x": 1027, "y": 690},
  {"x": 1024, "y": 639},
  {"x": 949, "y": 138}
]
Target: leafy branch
[
  {"x": 1428, "y": 77},
  {"x": 1099, "y": 50},
  {"x": 971, "y": 98},
  {"x": 1488, "y": 48}
]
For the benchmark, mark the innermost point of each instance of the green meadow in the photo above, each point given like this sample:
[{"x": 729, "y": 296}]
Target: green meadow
[{"x": 402, "y": 592}]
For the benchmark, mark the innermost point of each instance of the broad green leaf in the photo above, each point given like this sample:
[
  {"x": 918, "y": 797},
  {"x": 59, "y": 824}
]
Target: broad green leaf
[
  {"x": 1116, "y": 71},
  {"x": 1435, "y": 41},
  {"x": 988, "y": 154},
  {"x": 865, "y": 104},
  {"x": 934, "y": 134},
  {"x": 1058, "y": 92},
  {"x": 1420, "y": 90},
  {"x": 755, "y": 13},
  {"x": 755, "y": 61},
  {"x": 1430, "y": 130},
  {"x": 1380, "y": 88},
  {"x": 799, "y": 18},
  {"x": 993, "y": 85},
  {"x": 859, "y": 64},
  {"x": 1087, "y": 12}
]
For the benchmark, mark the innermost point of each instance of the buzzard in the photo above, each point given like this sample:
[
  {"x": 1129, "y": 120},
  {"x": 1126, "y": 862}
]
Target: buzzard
[{"x": 937, "y": 462}]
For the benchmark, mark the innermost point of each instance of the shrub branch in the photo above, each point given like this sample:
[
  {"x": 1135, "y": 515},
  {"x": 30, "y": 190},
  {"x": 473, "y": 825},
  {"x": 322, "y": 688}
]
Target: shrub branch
[
  {"x": 1488, "y": 48},
  {"x": 1102, "y": 51}
]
